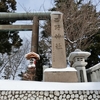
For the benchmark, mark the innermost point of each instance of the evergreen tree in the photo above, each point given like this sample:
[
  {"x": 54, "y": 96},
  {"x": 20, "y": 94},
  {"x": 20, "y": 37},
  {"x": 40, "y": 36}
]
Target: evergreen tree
[
  {"x": 8, "y": 39},
  {"x": 44, "y": 59},
  {"x": 94, "y": 48}
]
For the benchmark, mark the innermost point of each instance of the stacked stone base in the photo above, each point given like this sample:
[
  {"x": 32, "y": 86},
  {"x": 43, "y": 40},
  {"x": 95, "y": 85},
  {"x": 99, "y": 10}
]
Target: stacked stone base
[
  {"x": 60, "y": 75},
  {"x": 29, "y": 90},
  {"x": 51, "y": 95}
]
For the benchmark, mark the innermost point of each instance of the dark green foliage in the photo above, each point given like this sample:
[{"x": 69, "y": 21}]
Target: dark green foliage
[
  {"x": 8, "y": 39},
  {"x": 15, "y": 39},
  {"x": 94, "y": 48},
  {"x": 7, "y": 5},
  {"x": 43, "y": 61},
  {"x": 39, "y": 68}
]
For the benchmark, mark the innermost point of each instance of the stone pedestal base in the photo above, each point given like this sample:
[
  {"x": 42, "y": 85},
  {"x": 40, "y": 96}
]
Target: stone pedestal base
[{"x": 60, "y": 75}]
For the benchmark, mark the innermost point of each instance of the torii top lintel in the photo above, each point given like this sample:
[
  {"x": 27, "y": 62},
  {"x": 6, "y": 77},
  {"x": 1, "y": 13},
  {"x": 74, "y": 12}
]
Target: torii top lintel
[{"x": 27, "y": 16}]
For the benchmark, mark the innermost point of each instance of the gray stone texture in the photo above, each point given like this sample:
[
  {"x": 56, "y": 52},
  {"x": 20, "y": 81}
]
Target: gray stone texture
[
  {"x": 50, "y": 95},
  {"x": 58, "y": 43},
  {"x": 61, "y": 76}
]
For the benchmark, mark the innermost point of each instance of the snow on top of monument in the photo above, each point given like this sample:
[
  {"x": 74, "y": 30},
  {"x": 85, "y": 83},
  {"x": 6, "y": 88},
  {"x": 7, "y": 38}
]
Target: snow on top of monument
[
  {"x": 56, "y": 12},
  {"x": 60, "y": 69},
  {"x": 47, "y": 86}
]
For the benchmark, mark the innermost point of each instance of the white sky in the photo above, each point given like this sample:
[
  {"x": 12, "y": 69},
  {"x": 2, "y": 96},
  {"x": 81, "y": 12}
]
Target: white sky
[
  {"x": 33, "y": 5},
  {"x": 37, "y": 5},
  {"x": 30, "y": 6}
]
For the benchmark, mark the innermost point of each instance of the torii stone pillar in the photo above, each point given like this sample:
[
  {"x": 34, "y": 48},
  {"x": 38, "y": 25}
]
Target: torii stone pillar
[
  {"x": 35, "y": 34},
  {"x": 59, "y": 71}
]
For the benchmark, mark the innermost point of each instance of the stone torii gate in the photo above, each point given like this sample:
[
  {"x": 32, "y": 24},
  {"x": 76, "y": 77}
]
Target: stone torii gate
[
  {"x": 35, "y": 16},
  {"x": 56, "y": 31},
  {"x": 58, "y": 43}
]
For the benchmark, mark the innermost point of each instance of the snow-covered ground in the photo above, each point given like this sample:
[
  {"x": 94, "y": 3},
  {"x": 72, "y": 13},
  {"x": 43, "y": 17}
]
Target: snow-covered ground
[{"x": 33, "y": 85}]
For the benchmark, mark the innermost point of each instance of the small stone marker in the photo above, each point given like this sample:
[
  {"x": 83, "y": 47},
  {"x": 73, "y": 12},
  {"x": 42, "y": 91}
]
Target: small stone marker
[{"x": 58, "y": 43}]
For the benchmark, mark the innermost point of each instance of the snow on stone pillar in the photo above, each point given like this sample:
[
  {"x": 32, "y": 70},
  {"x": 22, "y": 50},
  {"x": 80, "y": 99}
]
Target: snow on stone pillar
[
  {"x": 44, "y": 67},
  {"x": 77, "y": 58},
  {"x": 59, "y": 71}
]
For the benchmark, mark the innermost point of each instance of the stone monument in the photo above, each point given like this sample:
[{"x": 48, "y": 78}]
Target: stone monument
[
  {"x": 59, "y": 71},
  {"x": 58, "y": 43}
]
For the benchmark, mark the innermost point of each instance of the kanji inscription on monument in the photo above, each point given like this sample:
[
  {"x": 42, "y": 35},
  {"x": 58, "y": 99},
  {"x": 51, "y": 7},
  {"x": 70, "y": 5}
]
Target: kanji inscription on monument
[{"x": 58, "y": 43}]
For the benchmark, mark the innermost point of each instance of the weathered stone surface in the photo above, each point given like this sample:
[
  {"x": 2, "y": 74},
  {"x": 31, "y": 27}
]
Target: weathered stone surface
[
  {"x": 61, "y": 76},
  {"x": 51, "y": 95},
  {"x": 76, "y": 95},
  {"x": 58, "y": 43},
  {"x": 68, "y": 96},
  {"x": 22, "y": 95},
  {"x": 41, "y": 93},
  {"x": 32, "y": 98},
  {"x": 55, "y": 98},
  {"x": 46, "y": 93},
  {"x": 44, "y": 98},
  {"x": 60, "y": 97},
  {"x": 16, "y": 96},
  {"x": 56, "y": 93},
  {"x": 72, "y": 96}
]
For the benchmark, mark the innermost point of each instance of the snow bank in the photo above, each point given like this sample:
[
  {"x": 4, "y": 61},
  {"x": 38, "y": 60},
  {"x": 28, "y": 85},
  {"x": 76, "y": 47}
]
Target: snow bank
[{"x": 33, "y": 85}]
